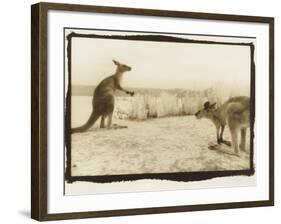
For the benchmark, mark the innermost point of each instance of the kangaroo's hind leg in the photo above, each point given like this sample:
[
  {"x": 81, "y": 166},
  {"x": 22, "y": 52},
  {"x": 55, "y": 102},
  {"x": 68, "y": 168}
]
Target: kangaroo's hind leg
[
  {"x": 234, "y": 140},
  {"x": 242, "y": 145},
  {"x": 115, "y": 126},
  {"x": 221, "y": 137},
  {"x": 218, "y": 135},
  {"x": 102, "y": 122},
  {"x": 109, "y": 120}
]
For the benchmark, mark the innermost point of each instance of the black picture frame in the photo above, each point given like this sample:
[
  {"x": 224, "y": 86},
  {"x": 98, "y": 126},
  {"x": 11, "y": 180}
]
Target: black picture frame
[{"x": 39, "y": 108}]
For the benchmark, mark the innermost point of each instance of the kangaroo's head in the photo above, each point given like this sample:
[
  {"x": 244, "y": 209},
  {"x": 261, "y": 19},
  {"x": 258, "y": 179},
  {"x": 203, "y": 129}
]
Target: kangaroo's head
[
  {"x": 122, "y": 67},
  {"x": 207, "y": 110}
]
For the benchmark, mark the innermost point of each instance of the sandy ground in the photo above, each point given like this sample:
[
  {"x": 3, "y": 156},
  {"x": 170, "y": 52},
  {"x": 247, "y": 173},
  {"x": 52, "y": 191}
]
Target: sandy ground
[{"x": 172, "y": 144}]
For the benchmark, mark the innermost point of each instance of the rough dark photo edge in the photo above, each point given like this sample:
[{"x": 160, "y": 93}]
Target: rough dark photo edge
[{"x": 179, "y": 176}]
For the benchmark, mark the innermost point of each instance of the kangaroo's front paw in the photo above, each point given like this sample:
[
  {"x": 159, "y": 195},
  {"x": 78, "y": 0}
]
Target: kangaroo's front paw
[{"x": 130, "y": 93}]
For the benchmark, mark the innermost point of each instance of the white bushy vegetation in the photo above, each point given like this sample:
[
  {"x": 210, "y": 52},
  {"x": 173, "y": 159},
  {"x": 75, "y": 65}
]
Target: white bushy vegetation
[{"x": 167, "y": 103}]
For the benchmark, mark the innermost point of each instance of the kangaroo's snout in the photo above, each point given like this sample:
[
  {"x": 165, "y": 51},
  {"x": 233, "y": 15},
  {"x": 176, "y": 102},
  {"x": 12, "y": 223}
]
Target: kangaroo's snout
[{"x": 125, "y": 68}]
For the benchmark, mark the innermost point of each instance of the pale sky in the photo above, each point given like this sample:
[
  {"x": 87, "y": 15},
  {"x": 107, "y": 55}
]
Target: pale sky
[{"x": 160, "y": 64}]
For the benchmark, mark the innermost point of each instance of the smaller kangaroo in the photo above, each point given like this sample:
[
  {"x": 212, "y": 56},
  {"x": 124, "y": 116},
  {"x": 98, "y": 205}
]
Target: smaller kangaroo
[
  {"x": 235, "y": 113},
  {"x": 103, "y": 99}
]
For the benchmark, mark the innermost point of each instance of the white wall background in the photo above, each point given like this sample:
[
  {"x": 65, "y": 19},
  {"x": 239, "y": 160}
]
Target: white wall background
[{"x": 15, "y": 111}]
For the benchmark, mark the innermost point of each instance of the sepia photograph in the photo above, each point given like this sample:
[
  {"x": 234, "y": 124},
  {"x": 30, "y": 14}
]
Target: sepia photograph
[{"x": 164, "y": 106}]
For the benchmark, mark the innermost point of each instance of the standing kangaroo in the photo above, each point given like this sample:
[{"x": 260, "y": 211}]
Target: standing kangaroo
[
  {"x": 235, "y": 113},
  {"x": 103, "y": 99}
]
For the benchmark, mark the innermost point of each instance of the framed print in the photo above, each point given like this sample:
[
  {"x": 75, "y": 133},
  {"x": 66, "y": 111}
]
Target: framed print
[{"x": 141, "y": 111}]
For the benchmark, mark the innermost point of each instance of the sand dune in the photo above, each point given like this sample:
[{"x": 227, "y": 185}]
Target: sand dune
[{"x": 170, "y": 144}]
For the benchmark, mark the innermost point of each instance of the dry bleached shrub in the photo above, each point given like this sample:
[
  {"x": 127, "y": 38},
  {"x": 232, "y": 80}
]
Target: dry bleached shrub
[{"x": 165, "y": 103}]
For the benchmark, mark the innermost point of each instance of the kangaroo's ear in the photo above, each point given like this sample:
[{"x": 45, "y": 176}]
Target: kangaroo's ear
[
  {"x": 206, "y": 105},
  {"x": 115, "y": 62},
  {"x": 213, "y": 106}
]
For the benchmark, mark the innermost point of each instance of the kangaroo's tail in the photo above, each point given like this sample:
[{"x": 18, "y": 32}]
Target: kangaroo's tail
[{"x": 92, "y": 119}]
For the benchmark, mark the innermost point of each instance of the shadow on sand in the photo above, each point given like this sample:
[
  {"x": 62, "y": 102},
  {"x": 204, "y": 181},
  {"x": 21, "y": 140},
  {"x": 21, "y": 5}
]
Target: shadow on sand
[{"x": 220, "y": 148}]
